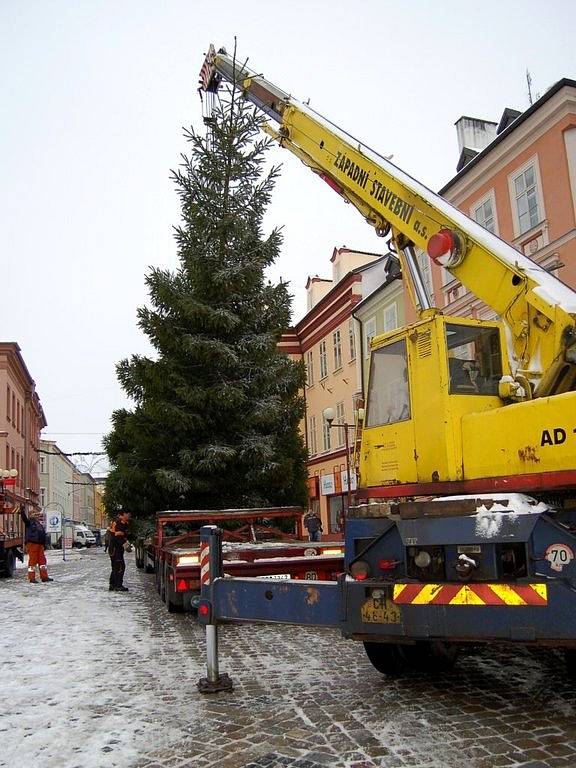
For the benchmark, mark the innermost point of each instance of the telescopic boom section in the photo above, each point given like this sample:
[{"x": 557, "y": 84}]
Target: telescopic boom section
[{"x": 538, "y": 309}]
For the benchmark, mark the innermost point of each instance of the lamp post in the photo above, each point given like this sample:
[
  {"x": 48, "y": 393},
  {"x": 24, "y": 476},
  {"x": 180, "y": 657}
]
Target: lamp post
[{"x": 328, "y": 415}]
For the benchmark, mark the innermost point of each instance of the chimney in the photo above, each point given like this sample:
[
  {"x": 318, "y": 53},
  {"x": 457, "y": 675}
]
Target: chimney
[{"x": 474, "y": 133}]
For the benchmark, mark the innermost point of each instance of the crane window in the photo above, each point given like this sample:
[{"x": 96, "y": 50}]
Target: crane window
[
  {"x": 388, "y": 390},
  {"x": 474, "y": 359}
]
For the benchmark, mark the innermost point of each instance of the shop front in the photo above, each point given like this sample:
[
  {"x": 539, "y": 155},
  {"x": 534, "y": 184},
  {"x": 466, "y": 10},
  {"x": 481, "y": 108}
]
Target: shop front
[{"x": 328, "y": 496}]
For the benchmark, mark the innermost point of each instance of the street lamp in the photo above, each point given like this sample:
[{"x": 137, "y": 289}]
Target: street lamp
[{"x": 328, "y": 415}]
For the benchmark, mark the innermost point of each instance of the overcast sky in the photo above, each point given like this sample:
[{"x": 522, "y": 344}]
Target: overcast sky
[{"x": 93, "y": 100}]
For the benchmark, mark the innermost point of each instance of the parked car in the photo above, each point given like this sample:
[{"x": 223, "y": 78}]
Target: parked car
[{"x": 83, "y": 537}]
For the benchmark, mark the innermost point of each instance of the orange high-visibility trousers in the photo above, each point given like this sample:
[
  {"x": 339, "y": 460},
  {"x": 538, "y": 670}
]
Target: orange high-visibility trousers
[{"x": 36, "y": 557}]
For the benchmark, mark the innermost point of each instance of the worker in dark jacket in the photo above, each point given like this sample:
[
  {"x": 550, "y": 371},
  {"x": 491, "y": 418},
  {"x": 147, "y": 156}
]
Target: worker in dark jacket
[
  {"x": 118, "y": 544},
  {"x": 313, "y": 524},
  {"x": 35, "y": 538}
]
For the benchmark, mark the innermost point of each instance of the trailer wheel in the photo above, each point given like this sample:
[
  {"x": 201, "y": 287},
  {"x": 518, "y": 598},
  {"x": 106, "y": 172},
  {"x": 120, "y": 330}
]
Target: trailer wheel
[
  {"x": 172, "y": 607},
  {"x": 167, "y": 597},
  {"x": 425, "y": 656},
  {"x": 9, "y": 564}
]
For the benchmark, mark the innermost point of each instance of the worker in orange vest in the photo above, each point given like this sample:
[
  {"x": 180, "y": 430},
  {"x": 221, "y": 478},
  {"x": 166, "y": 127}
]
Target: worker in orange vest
[{"x": 35, "y": 537}]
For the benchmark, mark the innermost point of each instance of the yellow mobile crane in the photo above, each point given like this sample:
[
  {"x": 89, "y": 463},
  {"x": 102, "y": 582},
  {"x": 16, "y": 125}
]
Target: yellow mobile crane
[
  {"x": 453, "y": 405},
  {"x": 455, "y": 408}
]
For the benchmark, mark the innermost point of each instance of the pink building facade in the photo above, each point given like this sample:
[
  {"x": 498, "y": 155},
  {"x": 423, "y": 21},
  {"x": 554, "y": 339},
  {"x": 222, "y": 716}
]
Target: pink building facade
[
  {"x": 21, "y": 420},
  {"x": 522, "y": 187}
]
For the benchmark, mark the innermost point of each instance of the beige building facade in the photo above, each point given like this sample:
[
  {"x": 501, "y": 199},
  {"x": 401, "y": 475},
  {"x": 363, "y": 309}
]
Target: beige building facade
[
  {"x": 326, "y": 340},
  {"x": 64, "y": 487},
  {"x": 56, "y": 479}
]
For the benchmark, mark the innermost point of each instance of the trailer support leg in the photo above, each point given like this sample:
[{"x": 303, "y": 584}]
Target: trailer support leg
[{"x": 210, "y": 569}]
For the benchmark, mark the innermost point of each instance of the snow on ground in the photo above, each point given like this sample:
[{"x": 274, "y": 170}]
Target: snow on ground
[
  {"x": 93, "y": 679},
  {"x": 77, "y": 662}
]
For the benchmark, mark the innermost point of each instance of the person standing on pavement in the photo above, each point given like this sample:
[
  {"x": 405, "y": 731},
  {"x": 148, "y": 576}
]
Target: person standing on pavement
[
  {"x": 117, "y": 545},
  {"x": 313, "y": 524},
  {"x": 35, "y": 537}
]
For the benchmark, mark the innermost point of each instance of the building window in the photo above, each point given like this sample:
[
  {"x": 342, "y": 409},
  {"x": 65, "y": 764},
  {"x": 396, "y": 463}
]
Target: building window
[
  {"x": 310, "y": 368},
  {"x": 323, "y": 360},
  {"x": 340, "y": 419},
  {"x": 312, "y": 443},
  {"x": 352, "y": 339},
  {"x": 370, "y": 332},
  {"x": 8, "y": 401},
  {"x": 326, "y": 435},
  {"x": 484, "y": 214},
  {"x": 42, "y": 464},
  {"x": 453, "y": 293},
  {"x": 526, "y": 193},
  {"x": 337, "y": 347},
  {"x": 42, "y": 497},
  {"x": 13, "y": 409},
  {"x": 390, "y": 317}
]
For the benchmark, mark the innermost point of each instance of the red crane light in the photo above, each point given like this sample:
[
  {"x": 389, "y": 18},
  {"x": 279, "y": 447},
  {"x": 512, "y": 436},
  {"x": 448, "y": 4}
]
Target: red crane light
[{"x": 440, "y": 245}]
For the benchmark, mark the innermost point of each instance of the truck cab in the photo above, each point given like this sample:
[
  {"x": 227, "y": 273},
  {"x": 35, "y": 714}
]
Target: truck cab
[{"x": 426, "y": 379}]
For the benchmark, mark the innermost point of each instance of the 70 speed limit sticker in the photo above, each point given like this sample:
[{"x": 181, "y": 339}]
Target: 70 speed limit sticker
[{"x": 559, "y": 556}]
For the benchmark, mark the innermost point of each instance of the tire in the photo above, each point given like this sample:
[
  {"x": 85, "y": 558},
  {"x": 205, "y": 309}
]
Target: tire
[
  {"x": 168, "y": 594},
  {"x": 425, "y": 656},
  {"x": 443, "y": 655},
  {"x": 170, "y": 605},
  {"x": 158, "y": 579},
  {"x": 9, "y": 564},
  {"x": 387, "y": 658}
]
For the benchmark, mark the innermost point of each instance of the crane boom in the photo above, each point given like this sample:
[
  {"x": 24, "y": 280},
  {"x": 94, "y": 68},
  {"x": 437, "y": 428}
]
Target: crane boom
[{"x": 538, "y": 310}]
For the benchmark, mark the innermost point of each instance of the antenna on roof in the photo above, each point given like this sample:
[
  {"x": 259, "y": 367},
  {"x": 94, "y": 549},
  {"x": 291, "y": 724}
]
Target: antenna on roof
[{"x": 529, "y": 82}]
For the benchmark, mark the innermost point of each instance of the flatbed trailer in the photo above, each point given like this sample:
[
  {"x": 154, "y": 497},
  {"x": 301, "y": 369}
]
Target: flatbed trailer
[
  {"x": 11, "y": 534},
  {"x": 254, "y": 546}
]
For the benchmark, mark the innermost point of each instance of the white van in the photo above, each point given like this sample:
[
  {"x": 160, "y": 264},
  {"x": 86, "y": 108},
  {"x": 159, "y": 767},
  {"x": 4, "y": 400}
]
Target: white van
[{"x": 83, "y": 537}]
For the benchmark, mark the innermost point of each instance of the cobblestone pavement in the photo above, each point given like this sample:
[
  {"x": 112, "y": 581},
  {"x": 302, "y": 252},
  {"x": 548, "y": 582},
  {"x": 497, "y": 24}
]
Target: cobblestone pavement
[{"x": 303, "y": 698}]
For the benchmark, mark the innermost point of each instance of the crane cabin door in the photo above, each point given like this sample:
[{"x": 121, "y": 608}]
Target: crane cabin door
[{"x": 387, "y": 456}]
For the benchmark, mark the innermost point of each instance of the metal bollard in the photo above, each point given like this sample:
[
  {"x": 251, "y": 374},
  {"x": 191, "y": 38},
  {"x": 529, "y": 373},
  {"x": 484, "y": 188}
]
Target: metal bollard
[{"x": 211, "y": 569}]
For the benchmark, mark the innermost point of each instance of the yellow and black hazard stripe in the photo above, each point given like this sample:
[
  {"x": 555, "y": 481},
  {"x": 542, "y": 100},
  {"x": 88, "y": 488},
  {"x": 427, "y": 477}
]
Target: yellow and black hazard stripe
[{"x": 471, "y": 594}]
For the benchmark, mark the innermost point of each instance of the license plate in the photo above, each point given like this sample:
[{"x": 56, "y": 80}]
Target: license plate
[
  {"x": 275, "y": 576},
  {"x": 378, "y": 610}
]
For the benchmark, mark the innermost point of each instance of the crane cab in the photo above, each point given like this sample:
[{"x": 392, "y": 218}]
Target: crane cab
[{"x": 423, "y": 380}]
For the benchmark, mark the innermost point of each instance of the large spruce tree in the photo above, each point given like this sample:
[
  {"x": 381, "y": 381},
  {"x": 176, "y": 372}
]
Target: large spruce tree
[{"x": 217, "y": 408}]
